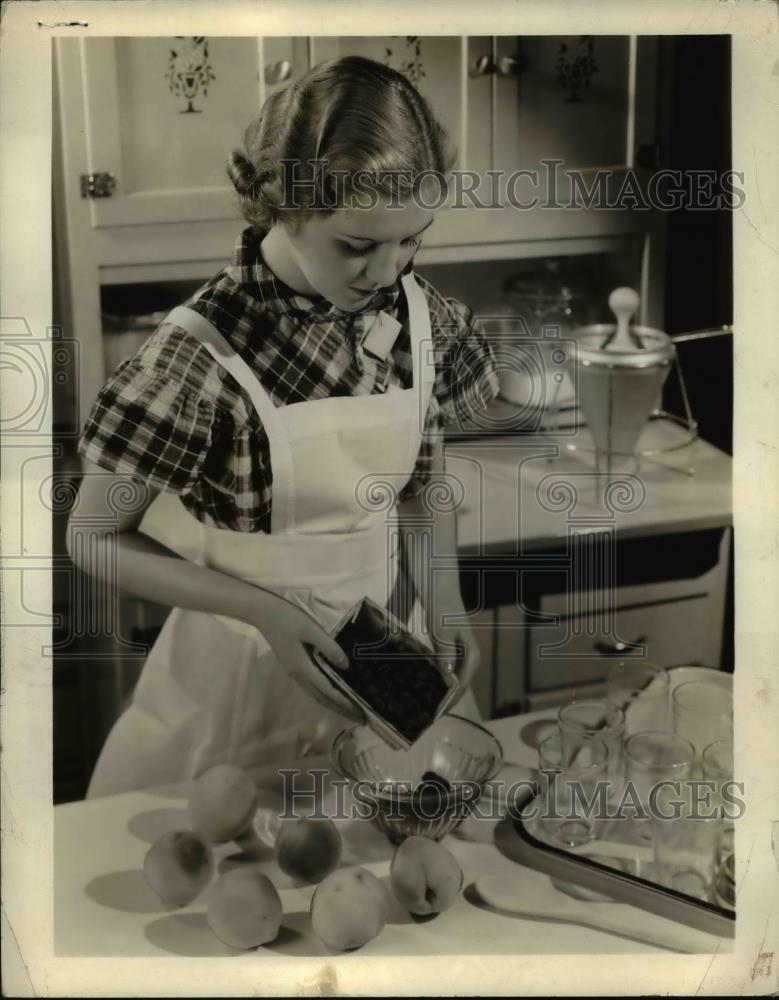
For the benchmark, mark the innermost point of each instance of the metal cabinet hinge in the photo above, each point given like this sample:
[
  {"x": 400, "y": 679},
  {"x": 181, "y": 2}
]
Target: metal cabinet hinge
[{"x": 97, "y": 185}]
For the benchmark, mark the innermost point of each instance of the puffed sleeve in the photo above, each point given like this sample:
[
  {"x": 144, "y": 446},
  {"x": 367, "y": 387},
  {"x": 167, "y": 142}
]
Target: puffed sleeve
[
  {"x": 466, "y": 371},
  {"x": 146, "y": 425},
  {"x": 466, "y": 376}
]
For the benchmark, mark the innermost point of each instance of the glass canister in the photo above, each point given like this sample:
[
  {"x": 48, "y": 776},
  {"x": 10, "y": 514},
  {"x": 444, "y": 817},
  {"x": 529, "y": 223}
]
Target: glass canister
[{"x": 545, "y": 302}]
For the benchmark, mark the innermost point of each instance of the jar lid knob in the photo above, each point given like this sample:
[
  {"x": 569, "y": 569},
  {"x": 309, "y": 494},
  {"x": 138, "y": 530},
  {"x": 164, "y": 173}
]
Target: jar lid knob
[{"x": 623, "y": 302}]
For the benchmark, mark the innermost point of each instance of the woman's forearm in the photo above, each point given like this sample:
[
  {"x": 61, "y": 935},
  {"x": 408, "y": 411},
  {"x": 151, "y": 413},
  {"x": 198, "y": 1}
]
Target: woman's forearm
[
  {"x": 429, "y": 536},
  {"x": 137, "y": 564},
  {"x": 430, "y": 547}
]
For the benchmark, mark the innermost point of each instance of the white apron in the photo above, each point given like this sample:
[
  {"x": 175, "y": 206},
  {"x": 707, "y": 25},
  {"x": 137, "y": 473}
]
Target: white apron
[{"x": 212, "y": 691}]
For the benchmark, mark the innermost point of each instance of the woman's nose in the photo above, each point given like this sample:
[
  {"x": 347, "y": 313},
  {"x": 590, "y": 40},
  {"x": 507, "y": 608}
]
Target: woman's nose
[{"x": 383, "y": 268}]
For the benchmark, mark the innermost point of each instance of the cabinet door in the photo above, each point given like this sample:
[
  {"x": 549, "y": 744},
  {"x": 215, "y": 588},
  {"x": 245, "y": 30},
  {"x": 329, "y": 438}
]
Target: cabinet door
[
  {"x": 585, "y": 100},
  {"x": 163, "y": 114}
]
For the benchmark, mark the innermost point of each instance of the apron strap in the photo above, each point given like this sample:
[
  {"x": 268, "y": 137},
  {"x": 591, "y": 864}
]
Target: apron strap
[
  {"x": 282, "y": 508},
  {"x": 402, "y": 597},
  {"x": 421, "y": 336}
]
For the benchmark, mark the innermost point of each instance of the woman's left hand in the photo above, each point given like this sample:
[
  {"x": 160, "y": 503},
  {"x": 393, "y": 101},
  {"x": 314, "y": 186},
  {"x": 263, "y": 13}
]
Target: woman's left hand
[{"x": 459, "y": 634}]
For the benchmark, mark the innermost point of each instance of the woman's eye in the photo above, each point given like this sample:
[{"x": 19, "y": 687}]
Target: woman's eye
[
  {"x": 354, "y": 252},
  {"x": 412, "y": 241}
]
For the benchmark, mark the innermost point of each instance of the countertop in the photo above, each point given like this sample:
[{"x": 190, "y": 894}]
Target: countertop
[
  {"x": 527, "y": 493},
  {"x": 103, "y": 906}
]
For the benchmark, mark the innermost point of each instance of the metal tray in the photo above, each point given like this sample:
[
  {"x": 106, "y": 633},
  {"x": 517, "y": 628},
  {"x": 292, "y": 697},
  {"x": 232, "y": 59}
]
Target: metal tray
[{"x": 516, "y": 841}]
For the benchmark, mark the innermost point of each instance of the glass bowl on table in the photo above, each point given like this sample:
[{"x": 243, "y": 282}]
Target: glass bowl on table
[{"x": 427, "y": 789}]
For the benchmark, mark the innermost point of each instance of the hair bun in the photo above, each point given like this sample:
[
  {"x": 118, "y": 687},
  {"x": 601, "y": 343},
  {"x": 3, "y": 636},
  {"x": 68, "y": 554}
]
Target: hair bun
[{"x": 242, "y": 173}]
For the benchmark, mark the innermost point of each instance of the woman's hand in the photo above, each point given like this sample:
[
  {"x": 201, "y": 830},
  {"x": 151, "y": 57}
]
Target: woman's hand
[
  {"x": 447, "y": 638},
  {"x": 293, "y": 633},
  {"x": 465, "y": 665}
]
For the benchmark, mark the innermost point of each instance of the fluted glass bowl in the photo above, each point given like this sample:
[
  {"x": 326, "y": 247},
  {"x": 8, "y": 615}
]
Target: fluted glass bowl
[{"x": 400, "y": 790}]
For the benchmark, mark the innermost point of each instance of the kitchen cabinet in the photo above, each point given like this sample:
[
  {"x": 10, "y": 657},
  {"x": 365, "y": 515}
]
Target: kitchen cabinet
[
  {"x": 572, "y": 579},
  {"x": 586, "y": 101}
]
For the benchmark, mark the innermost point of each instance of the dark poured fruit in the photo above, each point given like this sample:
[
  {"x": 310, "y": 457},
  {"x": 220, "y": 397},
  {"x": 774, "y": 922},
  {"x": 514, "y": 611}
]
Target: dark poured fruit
[
  {"x": 436, "y": 779},
  {"x": 396, "y": 675},
  {"x": 432, "y": 790}
]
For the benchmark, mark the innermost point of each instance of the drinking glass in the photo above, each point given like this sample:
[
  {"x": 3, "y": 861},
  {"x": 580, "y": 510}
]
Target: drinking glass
[
  {"x": 717, "y": 761},
  {"x": 571, "y": 800},
  {"x": 594, "y": 718},
  {"x": 685, "y": 843},
  {"x": 684, "y": 835},
  {"x": 653, "y": 757},
  {"x": 640, "y": 689},
  {"x": 702, "y": 713}
]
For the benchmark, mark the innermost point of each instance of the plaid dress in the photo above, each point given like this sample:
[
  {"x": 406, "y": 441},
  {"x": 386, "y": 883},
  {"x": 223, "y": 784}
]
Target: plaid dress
[{"x": 171, "y": 417}]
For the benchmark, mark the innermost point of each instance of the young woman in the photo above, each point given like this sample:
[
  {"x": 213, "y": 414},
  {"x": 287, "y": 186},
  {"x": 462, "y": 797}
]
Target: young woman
[{"x": 294, "y": 405}]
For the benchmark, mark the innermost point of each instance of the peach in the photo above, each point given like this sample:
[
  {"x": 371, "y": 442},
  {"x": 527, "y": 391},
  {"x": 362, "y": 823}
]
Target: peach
[
  {"x": 348, "y": 908},
  {"x": 178, "y": 866},
  {"x": 308, "y": 848},
  {"x": 222, "y": 803},
  {"x": 425, "y": 876},
  {"x": 244, "y": 908}
]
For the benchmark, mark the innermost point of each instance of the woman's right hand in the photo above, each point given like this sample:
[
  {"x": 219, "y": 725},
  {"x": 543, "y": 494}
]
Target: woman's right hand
[{"x": 292, "y": 633}]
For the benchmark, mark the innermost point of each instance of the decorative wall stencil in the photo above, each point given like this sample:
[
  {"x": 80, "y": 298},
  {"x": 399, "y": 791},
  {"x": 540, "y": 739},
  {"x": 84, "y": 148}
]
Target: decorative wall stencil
[
  {"x": 576, "y": 66},
  {"x": 189, "y": 71},
  {"x": 412, "y": 65}
]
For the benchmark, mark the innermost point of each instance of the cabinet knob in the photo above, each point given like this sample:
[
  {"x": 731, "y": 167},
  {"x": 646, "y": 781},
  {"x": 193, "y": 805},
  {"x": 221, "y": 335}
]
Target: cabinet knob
[
  {"x": 512, "y": 65},
  {"x": 278, "y": 72},
  {"x": 617, "y": 648},
  {"x": 481, "y": 66}
]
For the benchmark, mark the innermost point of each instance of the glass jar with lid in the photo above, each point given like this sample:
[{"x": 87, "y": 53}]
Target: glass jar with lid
[{"x": 545, "y": 300}]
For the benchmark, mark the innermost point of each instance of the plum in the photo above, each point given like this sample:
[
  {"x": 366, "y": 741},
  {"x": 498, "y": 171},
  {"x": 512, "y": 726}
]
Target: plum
[{"x": 178, "y": 866}]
